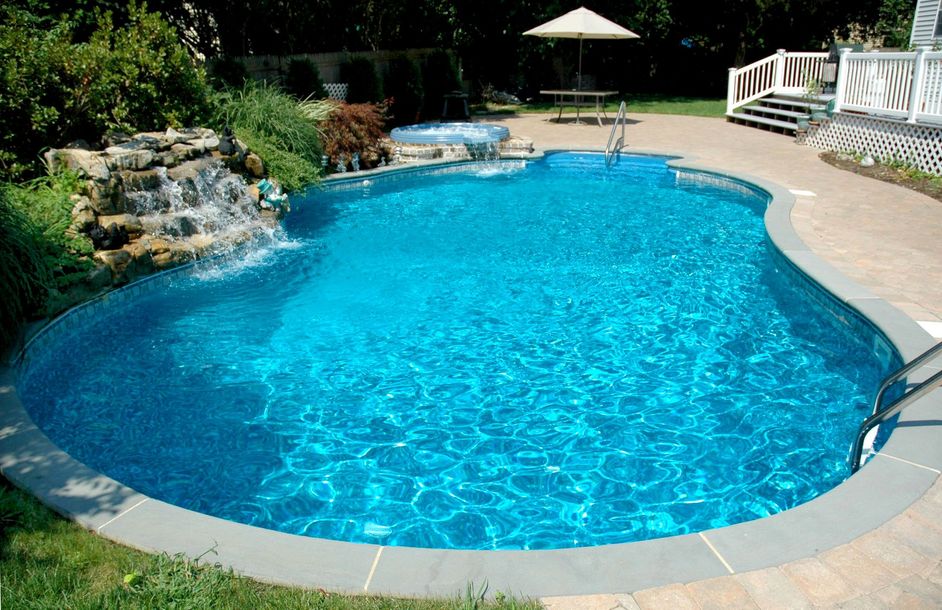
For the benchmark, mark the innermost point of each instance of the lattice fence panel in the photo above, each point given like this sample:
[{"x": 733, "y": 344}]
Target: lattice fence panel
[
  {"x": 885, "y": 140},
  {"x": 336, "y": 91}
]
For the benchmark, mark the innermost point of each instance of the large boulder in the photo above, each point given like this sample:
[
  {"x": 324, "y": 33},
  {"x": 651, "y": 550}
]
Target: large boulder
[
  {"x": 172, "y": 225},
  {"x": 253, "y": 165},
  {"x": 141, "y": 261},
  {"x": 128, "y": 222},
  {"x": 83, "y": 215},
  {"x": 184, "y": 151},
  {"x": 116, "y": 260},
  {"x": 103, "y": 195},
  {"x": 172, "y": 136},
  {"x": 190, "y": 169},
  {"x": 179, "y": 253},
  {"x": 85, "y": 162},
  {"x": 142, "y": 180},
  {"x": 122, "y": 159}
]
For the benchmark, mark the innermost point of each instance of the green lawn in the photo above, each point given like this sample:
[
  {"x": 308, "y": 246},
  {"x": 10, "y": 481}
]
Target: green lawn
[
  {"x": 657, "y": 104},
  {"x": 48, "y": 562}
]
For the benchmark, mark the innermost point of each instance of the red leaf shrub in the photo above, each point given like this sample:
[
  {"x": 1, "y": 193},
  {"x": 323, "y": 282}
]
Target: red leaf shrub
[{"x": 355, "y": 128}]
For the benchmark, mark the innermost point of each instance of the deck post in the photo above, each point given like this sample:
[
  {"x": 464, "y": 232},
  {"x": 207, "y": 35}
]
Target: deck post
[
  {"x": 731, "y": 91},
  {"x": 842, "y": 68},
  {"x": 779, "y": 69},
  {"x": 915, "y": 91}
]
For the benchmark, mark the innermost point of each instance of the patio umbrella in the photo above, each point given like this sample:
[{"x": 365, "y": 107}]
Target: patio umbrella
[{"x": 581, "y": 23}]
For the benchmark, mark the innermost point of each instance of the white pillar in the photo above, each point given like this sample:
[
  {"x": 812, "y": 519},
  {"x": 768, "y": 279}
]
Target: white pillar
[
  {"x": 919, "y": 84},
  {"x": 779, "y": 69},
  {"x": 843, "y": 66},
  {"x": 731, "y": 91}
]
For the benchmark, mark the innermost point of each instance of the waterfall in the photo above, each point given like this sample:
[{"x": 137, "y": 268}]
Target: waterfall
[{"x": 204, "y": 200}]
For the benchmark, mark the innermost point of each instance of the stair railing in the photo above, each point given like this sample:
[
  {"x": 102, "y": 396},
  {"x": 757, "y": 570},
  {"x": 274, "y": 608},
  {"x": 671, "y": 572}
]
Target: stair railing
[
  {"x": 879, "y": 414},
  {"x": 613, "y": 145},
  {"x": 783, "y": 72}
]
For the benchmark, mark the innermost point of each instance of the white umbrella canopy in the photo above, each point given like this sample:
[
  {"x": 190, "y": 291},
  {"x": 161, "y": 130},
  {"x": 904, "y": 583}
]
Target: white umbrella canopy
[{"x": 581, "y": 23}]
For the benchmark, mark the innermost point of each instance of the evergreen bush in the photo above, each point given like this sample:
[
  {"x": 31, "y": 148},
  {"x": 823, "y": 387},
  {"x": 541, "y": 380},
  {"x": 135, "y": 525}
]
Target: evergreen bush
[
  {"x": 303, "y": 80},
  {"x": 227, "y": 73},
  {"x": 404, "y": 87},
  {"x": 439, "y": 76},
  {"x": 363, "y": 82}
]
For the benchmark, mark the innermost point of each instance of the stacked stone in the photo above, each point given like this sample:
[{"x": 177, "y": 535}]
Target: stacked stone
[
  {"x": 134, "y": 164},
  {"x": 512, "y": 147}
]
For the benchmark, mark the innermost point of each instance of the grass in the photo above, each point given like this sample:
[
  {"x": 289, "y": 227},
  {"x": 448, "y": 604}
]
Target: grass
[
  {"x": 650, "y": 104},
  {"x": 49, "y": 562},
  {"x": 282, "y": 131},
  {"x": 40, "y": 261}
]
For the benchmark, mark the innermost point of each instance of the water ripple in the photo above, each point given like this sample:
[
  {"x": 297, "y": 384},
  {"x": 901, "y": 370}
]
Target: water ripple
[{"x": 561, "y": 357}]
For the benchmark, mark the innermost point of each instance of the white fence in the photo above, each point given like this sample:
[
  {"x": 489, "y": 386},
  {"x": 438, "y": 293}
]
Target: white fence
[
  {"x": 783, "y": 72},
  {"x": 895, "y": 85}
]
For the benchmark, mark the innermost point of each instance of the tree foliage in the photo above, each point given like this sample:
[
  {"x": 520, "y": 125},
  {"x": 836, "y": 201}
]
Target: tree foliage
[
  {"x": 685, "y": 45},
  {"x": 55, "y": 87}
]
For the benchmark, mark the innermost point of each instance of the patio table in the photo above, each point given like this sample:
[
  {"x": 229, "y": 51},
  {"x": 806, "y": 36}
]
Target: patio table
[{"x": 578, "y": 100}]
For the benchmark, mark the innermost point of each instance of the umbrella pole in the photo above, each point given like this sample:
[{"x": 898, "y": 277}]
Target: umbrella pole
[{"x": 579, "y": 79}]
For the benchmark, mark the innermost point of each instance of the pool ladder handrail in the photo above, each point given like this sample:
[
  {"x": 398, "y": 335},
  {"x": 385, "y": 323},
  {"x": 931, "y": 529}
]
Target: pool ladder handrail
[
  {"x": 620, "y": 142},
  {"x": 910, "y": 395}
]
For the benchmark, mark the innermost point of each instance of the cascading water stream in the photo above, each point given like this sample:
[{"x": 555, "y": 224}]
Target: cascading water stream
[{"x": 207, "y": 201}]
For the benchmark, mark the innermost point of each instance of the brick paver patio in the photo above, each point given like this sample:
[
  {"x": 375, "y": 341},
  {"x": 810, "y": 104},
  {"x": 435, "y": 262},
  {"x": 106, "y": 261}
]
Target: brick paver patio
[{"x": 884, "y": 237}]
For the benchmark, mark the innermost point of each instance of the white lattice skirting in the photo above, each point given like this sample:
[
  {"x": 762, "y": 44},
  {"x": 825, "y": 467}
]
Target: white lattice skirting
[{"x": 919, "y": 146}]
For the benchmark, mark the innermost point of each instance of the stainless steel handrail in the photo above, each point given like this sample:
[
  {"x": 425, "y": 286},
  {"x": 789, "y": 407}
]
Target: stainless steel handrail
[
  {"x": 895, "y": 376},
  {"x": 910, "y": 396},
  {"x": 620, "y": 142}
]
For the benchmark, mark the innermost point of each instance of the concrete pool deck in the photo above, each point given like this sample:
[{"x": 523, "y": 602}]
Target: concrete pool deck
[{"x": 882, "y": 548}]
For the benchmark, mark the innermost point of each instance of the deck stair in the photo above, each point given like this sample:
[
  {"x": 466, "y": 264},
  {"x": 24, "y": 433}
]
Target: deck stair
[{"x": 778, "y": 112}]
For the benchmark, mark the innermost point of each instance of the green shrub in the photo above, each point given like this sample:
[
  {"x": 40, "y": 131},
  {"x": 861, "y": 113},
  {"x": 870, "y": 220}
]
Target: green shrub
[
  {"x": 362, "y": 81},
  {"x": 137, "y": 78},
  {"x": 440, "y": 76},
  {"x": 52, "y": 90},
  {"x": 33, "y": 89},
  {"x": 276, "y": 127},
  {"x": 303, "y": 80},
  {"x": 355, "y": 128},
  {"x": 227, "y": 72},
  {"x": 404, "y": 87}
]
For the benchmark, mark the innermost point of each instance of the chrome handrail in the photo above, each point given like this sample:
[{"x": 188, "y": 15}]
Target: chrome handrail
[
  {"x": 910, "y": 396},
  {"x": 895, "y": 376},
  {"x": 620, "y": 142}
]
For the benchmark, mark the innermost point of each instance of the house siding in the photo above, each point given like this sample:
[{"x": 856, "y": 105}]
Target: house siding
[{"x": 924, "y": 24}]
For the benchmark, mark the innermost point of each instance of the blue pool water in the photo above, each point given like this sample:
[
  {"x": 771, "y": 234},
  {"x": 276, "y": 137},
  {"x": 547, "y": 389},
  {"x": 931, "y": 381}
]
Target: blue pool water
[{"x": 545, "y": 357}]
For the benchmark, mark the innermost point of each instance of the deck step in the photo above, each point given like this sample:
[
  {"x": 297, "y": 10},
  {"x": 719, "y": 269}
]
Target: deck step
[
  {"x": 798, "y": 104},
  {"x": 756, "y": 121},
  {"x": 775, "y": 112}
]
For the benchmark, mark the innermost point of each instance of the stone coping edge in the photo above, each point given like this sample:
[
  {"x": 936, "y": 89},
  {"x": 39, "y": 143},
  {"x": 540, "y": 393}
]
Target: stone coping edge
[{"x": 900, "y": 474}]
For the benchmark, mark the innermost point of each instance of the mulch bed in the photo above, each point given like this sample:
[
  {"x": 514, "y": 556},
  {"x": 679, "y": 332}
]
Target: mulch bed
[{"x": 931, "y": 186}]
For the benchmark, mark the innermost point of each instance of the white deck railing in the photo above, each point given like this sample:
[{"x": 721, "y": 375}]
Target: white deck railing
[
  {"x": 783, "y": 72},
  {"x": 895, "y": 85},
  {"x": 904, "y": 86}
]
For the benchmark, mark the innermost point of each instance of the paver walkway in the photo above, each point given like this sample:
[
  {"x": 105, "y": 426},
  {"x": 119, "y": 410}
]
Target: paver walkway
[{"x": 886, "y": 238}]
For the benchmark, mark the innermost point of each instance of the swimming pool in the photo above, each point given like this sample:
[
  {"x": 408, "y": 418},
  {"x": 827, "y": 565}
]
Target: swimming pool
[{"x": 457, "y": 362}]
